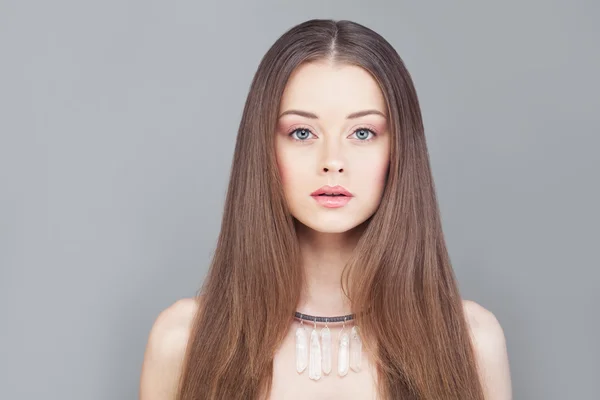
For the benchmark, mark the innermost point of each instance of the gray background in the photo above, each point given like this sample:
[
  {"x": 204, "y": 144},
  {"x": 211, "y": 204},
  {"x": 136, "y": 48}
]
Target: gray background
[{"x": 118, "y": 120}]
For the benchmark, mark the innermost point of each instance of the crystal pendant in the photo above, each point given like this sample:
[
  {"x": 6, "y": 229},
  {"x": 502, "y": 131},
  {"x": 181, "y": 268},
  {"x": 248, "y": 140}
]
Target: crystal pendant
[
  {"x": 314, "y": 367},
  {"x": 326, "y": 350},
  {"x": 355, "y": 349},
  {"x": 343, "y": 355},
  {"x": 301, "y": 349}
]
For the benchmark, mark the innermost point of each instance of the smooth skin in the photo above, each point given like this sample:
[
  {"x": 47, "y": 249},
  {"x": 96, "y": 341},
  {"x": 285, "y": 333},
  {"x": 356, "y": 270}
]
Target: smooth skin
[{"x": 332, "y": 131}]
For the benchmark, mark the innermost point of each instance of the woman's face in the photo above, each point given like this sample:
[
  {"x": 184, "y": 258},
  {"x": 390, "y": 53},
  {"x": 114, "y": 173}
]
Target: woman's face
[{"x": 332, "y": 130}]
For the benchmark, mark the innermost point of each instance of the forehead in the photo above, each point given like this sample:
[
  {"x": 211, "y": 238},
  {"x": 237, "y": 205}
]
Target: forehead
[{"x": 327, "y": 88}]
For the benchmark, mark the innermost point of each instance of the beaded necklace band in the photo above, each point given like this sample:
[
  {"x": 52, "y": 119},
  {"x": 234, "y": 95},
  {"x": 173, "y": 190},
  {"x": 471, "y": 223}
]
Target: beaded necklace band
[{"x": 312, "y": 318}]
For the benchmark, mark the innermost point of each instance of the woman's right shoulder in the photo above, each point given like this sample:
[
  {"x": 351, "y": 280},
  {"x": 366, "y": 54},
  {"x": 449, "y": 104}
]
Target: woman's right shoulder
[
  {"x": 178, "y": 316},
  {"x": 165, "y": 349}
]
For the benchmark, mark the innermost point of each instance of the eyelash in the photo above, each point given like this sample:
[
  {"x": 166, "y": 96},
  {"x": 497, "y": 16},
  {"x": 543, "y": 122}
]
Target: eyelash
[{"x": 362, "y": 128}]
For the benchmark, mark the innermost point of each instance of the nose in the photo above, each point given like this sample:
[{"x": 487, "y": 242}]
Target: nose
[
  {"x": 332, "y": 167},
  {"x": 332, "y": 158}
]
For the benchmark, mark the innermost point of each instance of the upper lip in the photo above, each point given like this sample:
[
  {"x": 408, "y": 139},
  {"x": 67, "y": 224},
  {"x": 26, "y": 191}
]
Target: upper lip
[{"x": 331, "y": 190}]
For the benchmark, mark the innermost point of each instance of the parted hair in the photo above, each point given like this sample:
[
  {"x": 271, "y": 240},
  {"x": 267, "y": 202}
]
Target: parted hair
[{"x": 399, "y": 270}]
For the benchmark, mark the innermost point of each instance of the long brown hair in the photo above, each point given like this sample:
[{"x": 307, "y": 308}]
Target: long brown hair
[{"x": 400, "y": 268}]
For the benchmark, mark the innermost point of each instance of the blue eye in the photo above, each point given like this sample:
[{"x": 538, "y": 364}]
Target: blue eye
[
  {"x": 363, "y": 134},
  {"x": 303, "y": 134}
]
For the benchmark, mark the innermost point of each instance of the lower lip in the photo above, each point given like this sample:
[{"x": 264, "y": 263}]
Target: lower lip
[{"x": 332, "y": 201}]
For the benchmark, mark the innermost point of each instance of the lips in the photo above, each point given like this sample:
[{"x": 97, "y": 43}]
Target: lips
[
  {"x": 332, "y": 196},
  {"x": 332, "y": 191}
]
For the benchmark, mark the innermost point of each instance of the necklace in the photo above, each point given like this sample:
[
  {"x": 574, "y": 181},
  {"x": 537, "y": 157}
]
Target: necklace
[{"x": 317, "y": 356}]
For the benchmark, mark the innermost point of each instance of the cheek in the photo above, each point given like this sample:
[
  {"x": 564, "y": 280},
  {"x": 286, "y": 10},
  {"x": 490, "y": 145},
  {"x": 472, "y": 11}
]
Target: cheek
[
  {"x": 382, "y": 169},
  {"x": 290, "y": 168},
  {"x": 284, "y": 168},
  {"x": 293, "y": 175},
  {"x": 381, "y": 164},
  {"x": 373, "y": 174},
  {"x": 379, "y": 174}
]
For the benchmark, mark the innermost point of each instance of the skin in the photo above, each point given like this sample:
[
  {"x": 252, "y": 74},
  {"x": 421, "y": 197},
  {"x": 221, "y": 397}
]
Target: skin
[
  {"x": 333, "y": 150},
  {"x": 326, "y": 149}
]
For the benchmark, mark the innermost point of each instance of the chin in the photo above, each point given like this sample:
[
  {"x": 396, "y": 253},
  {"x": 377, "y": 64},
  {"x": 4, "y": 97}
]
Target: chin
[{"x": 334, "y": 224}]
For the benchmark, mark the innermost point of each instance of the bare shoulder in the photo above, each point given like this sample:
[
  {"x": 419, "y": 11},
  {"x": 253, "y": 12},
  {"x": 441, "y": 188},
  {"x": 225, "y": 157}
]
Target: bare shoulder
[
  {"x": 490, "y": 346},
  {"x": 165, "y": 350}
]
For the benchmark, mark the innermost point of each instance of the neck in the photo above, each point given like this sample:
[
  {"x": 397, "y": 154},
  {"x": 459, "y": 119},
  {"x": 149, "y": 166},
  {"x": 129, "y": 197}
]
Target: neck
[{"x": 323, "y": 257}]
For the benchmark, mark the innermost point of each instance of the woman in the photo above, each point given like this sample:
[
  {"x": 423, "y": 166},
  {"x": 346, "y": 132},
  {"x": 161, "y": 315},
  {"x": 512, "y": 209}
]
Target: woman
[{"x": 331, "y": 212}]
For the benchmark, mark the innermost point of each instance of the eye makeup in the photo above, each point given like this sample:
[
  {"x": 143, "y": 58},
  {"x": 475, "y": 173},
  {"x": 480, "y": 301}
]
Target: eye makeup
[{"x": 294, "y": 129}]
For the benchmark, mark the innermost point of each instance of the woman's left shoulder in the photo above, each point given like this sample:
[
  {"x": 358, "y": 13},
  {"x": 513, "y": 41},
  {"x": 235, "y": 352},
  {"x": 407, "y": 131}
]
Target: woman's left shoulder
[
  {"x": 480, "y": 317},
  {"x": 491, "y": 352}
]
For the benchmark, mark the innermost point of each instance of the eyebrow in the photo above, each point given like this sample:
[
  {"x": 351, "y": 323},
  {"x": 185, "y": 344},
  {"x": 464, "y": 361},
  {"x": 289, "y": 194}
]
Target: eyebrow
[{"x": 353, "y": 115}]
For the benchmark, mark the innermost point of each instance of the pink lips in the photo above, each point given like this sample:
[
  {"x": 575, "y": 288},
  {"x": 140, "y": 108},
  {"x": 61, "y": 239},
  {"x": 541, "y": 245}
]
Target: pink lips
[{"x": 332, "y": 196}]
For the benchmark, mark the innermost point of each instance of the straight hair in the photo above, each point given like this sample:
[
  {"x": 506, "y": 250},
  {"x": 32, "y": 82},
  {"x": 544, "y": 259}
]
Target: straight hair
[{"x": 400, "y": 270}]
